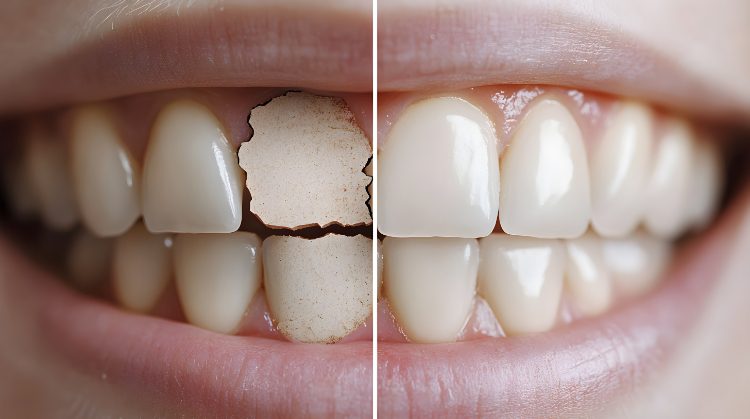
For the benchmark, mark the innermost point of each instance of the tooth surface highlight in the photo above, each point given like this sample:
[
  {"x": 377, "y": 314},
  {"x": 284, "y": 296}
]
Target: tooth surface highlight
[
  {"x": 192, "y": 182},
  {"x": 89, "y": 260},
  {"x": 636, "y": 263},
  {"x": 707, "y": 181},
  {"x": 430, "y": 284},
  {"x": 521, "y": 279},
  {"x": 106, "y": 178},
  {"x": 438, "y": 172},
  {"x": 586, "y": 275},
  {"x": 217, "y": 276}
]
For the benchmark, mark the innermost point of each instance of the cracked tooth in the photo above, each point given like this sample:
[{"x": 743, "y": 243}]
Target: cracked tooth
[
  {"x": 89, "y": 260},
  {"x": 708, "y": 180},
  {"x": 192, "y": 182},
  {"x": 636, "y": 262},
  {"x": 430, "y": 284},
  {"x": 438, "y": 172},
  {"x": 586, "y": 275}
]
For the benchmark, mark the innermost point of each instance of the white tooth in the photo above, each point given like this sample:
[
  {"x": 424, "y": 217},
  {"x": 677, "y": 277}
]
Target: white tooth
[
  {"x": 107, "y": 179},
  {"x": 708, "y": 180},
  {"x": 142, "y": 267},
  {"x": 430, "y": 284},
  {"x": 318, "y": 290},
  {"x": 544, "y": 176},
  {"x": 18, "y": 190},
  {"x": 217, "y": 276},
  {"x": 586, "y": 275},
  {"x": 636, "y": 263},
  {"x": 521, "y": 278},
  {"x": 619, "y": 171},
  {"x": 438, "y": 172},
  {"x": 669, "y": 189},
  {"x": 89, "y": 260},
  {"x": 192, "y": 182}
]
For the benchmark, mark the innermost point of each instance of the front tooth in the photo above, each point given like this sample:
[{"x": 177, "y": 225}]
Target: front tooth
[
  {"x": 192, "y": 182},
  {"x": 635, "y": 263},
  {"x": 107, "y": 179},
  {"x": 430, "y": 284},
  {"x": 217, "y": 276},
  {"x": 142, "y": 267},
  {"x": 438, "y": 172},
  {"x": 544, "y": 176},
  {"x": 521, "y": 279},
  {"x": 619, "y": 171},
  {"x": 586, "y": 275},
  {"x": 708, "y": 180},
  {"x": 89, "y": 260}
]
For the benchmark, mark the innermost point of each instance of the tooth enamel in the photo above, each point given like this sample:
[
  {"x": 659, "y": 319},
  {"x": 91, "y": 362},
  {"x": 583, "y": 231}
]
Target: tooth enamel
[
  {"x": 707, "y": 180},
  {"x": 192, "y": 182},
  {"x": 521, "y": 279},
  {"x": 18, "y": 191},
  {"x": 217, "y": 276},
  {"x": 142, "y": 267},
  {"x": 544, "y": 176},
  {"x": 438, "y": 172},
  {"x": 318, "y": 290},
  {"x": 106, "y": 179},
  {"x": 430, "y": 284},
  {"x": 619, "y": 171},
  {"x": 586, "y": 275},
  {"x": 89, "y": 261},
  {"x": 635, "y": 263}
]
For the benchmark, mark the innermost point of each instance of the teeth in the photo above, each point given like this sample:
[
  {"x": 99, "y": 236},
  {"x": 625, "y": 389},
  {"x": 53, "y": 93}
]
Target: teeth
[
  {"x": 142, "y": 267},
  {"x": 707, "y": 180},
  {"x": 18, "y": 190},
  {"x": 430, "y": 284},
  {"x": 192, "y": 182},
  {"x": 318, "y": 290},
  {"x": 217, "y": 276},
  {"x": 619, "y": 171},
  {"x": 438, "y": 172},
  {"x": 635, "y": 263},
  {"x": 586, "y": 275},
  {"x": 521, "y": 279},
  {"x": 107, "y": 179},
  {"x": 544, "y": 176},
  {"x": 89, "y": 260}
]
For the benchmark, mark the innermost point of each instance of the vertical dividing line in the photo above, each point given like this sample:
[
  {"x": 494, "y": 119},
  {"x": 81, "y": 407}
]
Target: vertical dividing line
[{"x": 375, "y": 283}]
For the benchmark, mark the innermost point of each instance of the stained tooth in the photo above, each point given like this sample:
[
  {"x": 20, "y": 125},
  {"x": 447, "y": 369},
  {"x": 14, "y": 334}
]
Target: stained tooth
[
  {"x": 430, "y": 284},
  {"x": 619, "y": 171},
  {"x": 586, "y": 275},
  {"x": 107, "y": 179},
  {"x": 521, "y": 278},
  {"x": 707, "y": 181},
  {"x": 318, "y": 290},
  {"x": 438, "y": 172},
  {"x": 217, "y": 276},
  {"x": 89, "y": 260},
  {"x": 636, "y": 263},
  {"x": 544, "y": 176},
  {"x": 192, "y": 182},
  {"x": 142, "y": 267}
]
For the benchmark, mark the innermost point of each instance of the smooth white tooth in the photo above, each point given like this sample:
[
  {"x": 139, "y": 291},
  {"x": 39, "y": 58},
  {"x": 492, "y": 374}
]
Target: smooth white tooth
[
  {"x": 192, "y": 182},
  {"x": 89, "y": 260},
  {"x": 106, "y": 178},
  {"x": 521, "y": 278},
  {"x": 141, "y": 267},
  {"x": 438, "y": 172},
  {"x": 708, "y": 182},
  {"x": 544, "y": 176},
  {"x": 620, "y": 169},
  {"x": 217, "y": 276},
  {"x": 586, "y": 275},
  {"x": 430, "y": 284},
  {"x": 18, "y": 190},
  {"x": 636, "y": 263},
  {"x": 669, "y": 197},
  {"x": 318, "y": 290}
]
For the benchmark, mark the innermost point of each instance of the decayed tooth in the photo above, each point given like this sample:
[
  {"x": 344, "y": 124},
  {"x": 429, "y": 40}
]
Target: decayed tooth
[
  {"x": 544, "y": 176},
  {"x": 106, "y": 178},
  {"x": 707, "y": 181},
  {"x": 318, "y": 290},
  {"x": 18, "y": 190},
  {"x": 141, "y": 268},
  {"x": 369, "y": 172},
  {"x": 438, "y": 172},
  {"x": 89, "y": 260},
  {"x": 586, "y": 275},
  {"x": 620, "y": 168},
  {"x": 192, "y": 182},
  {"x": 636, "y": 263},
  {"x": 217, "y": 276},
  {"x": 521, "y": 278},
  {"x": 430, "y": 284}
]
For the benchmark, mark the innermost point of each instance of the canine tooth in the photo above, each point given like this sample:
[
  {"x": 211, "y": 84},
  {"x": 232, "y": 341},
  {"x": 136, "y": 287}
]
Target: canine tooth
[
  {"x": 430, "y": 284},
  {"x": 708, "y": 180},
  {"x": 142, "y": 267},
  {"x": 106, "y": 178},
  {"x": 619, "y": 171},
  {"x": 438, "y": 172},
  {"x": 636, "y": 263},
  {"x": 89, "y": 260},
  {"x": 521, "y": 279},
  {"x": 318, "y": 290},
  {"x": 217, "y": 276},
  {"x": 192, "y": 182},
  {"x": 586, "y": 275},
  {"x": 544, "y": 176}
]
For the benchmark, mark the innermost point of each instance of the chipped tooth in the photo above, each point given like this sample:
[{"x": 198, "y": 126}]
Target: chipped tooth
[
  {"x": 586, "y": 275},
  {"x": 544, "y": 176},
  {"x": 106, "y": 178},
  {"x": 89, "y": 260},
  {"x": 708, "y": 180},
  {"x": 217, "y": 276},
  {"x": 438, "y": 172},
  {"x": 318, "y": 290},
  {"x": 141, "y": 268},
  {"x": 636, "y": 263},
  {"x": 430, "y": 284},
  {"x": 192, "y": 182}
]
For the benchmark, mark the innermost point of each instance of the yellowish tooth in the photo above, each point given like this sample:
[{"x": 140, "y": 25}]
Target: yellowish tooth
[
  {"x": 636, "y": 263},
  {"x": 586, "y": 275},
  {"x": 89, "y": 260},
  {"x": 708, "y": 182}
]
